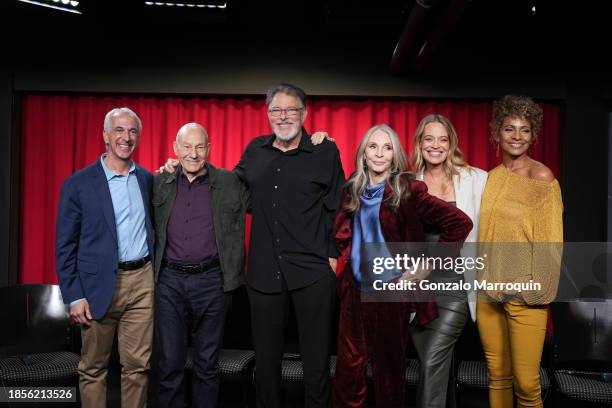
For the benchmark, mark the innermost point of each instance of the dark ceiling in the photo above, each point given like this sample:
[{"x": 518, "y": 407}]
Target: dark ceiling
[{"x": 448, "y": 36}]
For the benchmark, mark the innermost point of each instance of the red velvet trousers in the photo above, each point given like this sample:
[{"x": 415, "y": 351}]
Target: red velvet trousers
[{"x": 374, "y": 331}]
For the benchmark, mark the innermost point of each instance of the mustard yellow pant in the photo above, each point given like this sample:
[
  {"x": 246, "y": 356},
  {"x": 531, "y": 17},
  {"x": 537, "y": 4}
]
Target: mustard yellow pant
[{"x": 512, "y": 336}]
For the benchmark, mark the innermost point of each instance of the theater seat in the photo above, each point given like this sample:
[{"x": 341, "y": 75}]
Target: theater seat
[
  {"x": 37, "y": 349},
  {"x": 587, "y": 386},
  {"x": 475, "y": 374},
  {"x": 235, "y": 369},
  {"x": 293, "y": 371},
  {"x": 292, "y": 379},
  {"x": 231, "y": 362},
  {"x": 412, "y": 371},
  {"x": 583, "y": 346},
  {"x": 43, "y": 369}
]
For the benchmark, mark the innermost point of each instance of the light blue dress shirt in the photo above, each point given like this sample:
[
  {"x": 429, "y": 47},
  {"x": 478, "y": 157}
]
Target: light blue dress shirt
[{"x": 129, "y": 213}]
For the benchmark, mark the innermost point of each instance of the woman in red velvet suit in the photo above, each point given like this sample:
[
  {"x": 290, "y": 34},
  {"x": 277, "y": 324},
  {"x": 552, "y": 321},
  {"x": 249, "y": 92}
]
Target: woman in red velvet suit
[{"x": 381, "y": 204}]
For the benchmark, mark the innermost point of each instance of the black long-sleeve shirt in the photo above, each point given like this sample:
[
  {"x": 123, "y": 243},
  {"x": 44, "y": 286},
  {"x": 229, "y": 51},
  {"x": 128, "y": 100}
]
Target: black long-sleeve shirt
[{"x": 295, "y": 196}]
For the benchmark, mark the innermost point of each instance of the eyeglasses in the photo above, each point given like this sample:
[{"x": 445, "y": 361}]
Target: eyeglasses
[{"x": 277, "y": 112}]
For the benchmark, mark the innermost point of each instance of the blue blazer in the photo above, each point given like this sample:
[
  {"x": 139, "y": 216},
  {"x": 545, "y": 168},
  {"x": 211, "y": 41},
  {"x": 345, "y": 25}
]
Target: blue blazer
[{"x": 86, "y": 246}]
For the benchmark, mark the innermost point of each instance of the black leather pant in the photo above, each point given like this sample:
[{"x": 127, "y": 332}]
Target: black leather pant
[{"x": 434, "y": 345}]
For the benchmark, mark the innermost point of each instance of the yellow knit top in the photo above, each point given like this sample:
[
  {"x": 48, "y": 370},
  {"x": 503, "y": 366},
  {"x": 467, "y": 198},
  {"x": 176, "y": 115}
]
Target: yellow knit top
[{"x": 521, "y": 233}]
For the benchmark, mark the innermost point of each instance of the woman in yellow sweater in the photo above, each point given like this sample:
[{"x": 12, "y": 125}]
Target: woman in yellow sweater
[{"x": 521, "y": 233}]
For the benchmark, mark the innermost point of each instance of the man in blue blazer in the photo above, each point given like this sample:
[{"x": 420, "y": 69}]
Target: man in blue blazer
[{"x": 104, "y": 249}]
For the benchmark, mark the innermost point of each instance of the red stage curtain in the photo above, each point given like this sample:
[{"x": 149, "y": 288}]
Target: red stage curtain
[{"x": 62, "y": 134}]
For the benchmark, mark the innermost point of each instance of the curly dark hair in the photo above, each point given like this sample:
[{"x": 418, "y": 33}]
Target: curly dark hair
[{"x": 519, "y": 106}]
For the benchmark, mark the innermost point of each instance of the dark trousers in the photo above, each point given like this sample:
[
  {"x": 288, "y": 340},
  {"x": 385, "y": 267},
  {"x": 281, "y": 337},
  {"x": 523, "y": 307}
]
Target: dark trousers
[
  {"x": 197, "y": 299},
  {"x": 313, "y": 309},
  {"x": 376, "y": 331},
  {"x": 434, "y": 344}
]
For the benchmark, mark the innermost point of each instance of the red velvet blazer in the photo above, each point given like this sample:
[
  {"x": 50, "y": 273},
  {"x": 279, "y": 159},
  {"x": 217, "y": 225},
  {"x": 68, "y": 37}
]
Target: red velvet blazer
[{"x": 404, "y": 224}]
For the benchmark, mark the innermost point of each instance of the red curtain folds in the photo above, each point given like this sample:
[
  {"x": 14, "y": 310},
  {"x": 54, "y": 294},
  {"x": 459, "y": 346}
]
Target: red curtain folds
[{"x": 62, "y": 134}]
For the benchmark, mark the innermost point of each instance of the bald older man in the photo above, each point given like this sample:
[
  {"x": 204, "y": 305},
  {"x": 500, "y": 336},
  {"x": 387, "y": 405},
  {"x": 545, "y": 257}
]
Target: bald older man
[{"x": 199, "y": 221}]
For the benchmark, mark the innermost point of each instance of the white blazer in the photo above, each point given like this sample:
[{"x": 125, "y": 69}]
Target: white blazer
[{"x": 469, "y": 186}]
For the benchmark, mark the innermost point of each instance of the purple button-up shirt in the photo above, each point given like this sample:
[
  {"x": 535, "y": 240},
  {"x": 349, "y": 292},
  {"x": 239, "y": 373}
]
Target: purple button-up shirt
[{"x": 191, "y": 233}]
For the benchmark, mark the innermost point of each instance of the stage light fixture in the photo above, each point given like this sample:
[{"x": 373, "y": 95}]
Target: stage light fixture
[
  {"x": 62, "y": 5},
  {"x": 189, "y": 5}
]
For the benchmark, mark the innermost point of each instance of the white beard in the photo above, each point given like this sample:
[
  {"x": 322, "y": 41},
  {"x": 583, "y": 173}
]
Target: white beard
[{"x": 288, "y": 136}]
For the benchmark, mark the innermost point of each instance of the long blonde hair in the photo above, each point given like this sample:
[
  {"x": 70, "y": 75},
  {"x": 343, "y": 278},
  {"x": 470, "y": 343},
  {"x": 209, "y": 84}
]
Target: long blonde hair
[
  {"x": 454, "y": 159},
  {"x": 358, "y": 182}
]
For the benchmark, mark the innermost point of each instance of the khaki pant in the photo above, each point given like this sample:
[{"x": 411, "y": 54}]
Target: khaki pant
[
  {"x": 512, "y": 336},
  {"x": 131, "y": 314}
]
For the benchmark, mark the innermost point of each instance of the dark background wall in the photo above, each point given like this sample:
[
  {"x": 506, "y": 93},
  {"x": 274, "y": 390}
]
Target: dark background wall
[
  {"x": 9, "y": 192},
  {"x": 335, "y": 48},
  {"x": 609, "y": 202}
]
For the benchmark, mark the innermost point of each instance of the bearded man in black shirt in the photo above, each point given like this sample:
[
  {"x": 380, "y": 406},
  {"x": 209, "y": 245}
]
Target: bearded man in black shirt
[{"x": 295, "y": 190}]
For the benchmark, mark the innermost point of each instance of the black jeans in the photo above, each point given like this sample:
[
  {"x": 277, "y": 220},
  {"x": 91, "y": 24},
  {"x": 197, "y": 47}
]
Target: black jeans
[{"x": 197, "y": 299}]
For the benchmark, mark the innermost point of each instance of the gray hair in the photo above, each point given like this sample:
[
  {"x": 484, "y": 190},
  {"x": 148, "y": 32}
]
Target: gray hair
[
  {"x": 188, "y": 126},
  {"x": 286, "y": 89},
  {"x": 121, "y": 111}
]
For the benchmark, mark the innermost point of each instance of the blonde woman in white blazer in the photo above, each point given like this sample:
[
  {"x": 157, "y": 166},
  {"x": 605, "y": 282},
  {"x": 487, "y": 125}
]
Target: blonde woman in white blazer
[{"x": 439, "y": 162}]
